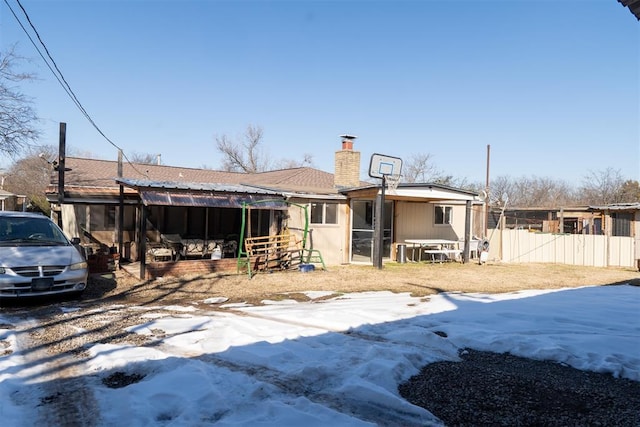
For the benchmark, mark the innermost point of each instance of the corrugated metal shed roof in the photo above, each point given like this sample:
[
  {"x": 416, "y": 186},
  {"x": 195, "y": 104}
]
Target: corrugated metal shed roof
[
  {"x": 201, "y": 199},
  {"x": 617, "y": 207},
  {"x": 197, "y": 186},
  {"x": 168, "y": 193}
]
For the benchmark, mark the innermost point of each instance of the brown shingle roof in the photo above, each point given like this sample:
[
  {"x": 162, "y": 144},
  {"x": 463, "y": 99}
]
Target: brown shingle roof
[
  {"x": 102, "y": 173},
  {"x": 303, "y": 179}
]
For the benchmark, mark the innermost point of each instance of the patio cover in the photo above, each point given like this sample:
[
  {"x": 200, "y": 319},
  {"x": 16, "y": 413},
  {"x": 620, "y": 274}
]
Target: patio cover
[
  {"x": 207, "y": 195},
  {"x": 417, "y": 192},
  {"x": 208, "y": 200}
]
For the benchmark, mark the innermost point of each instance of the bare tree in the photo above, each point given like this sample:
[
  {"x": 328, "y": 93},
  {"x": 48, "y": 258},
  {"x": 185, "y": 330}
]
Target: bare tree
[
  {"x": 144, "y": 158},
  {"x": 531, "y": 192},
  {"x": 246, "y": 155},
  {"x": 602, "y": 187},
  {"x": 500, "y": 190},
  {"x": 306, "y": 161},
  {"x": 420, "y": 168},
  {"x": 30, "y": 176},
  {"x": 18, "y": 118}
]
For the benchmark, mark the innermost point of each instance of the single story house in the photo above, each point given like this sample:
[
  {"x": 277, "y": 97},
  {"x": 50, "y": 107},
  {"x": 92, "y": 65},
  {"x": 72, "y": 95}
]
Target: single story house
[{"x": 128, "y": 209}]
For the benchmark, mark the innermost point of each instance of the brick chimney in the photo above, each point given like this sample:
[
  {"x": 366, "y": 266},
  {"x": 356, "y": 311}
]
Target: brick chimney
[{"x": 347, "y": 167}]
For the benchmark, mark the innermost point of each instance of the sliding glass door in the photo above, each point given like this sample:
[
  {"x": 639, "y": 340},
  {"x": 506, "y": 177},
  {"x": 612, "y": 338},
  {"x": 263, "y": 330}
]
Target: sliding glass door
[{"x": 363, "y": 223}]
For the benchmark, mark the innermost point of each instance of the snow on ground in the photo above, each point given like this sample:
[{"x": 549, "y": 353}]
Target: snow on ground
[{"x": 329, "y": 362}]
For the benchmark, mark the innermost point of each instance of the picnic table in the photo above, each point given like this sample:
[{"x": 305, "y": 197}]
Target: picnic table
[{"x": 435, "y": 249}]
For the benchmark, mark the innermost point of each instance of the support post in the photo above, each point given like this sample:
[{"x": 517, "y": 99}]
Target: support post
[
  {"x": 142, "y": 253},
  {"x": 378, "y": 231},
  {"x": 120, "y": 208}
]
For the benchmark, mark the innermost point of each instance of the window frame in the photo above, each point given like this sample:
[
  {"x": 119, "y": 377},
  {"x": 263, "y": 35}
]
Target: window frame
[
  {"x": 323, "y": 213},
  {"x": 443, "y": 209}
]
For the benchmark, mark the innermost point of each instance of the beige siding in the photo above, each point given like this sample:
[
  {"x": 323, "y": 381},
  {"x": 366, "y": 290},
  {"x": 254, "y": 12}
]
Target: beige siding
[
  {"x": 415, "y": 220},
  {"x": 70, "y": 224},
  {"x": 329, "y": 239}
]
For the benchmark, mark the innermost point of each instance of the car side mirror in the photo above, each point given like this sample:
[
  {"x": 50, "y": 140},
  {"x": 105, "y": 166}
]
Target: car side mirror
[{"x": 75, "y": 241}]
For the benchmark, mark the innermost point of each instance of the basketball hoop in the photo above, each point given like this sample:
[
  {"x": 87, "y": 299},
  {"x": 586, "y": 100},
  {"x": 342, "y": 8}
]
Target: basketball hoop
[
  {"x": 387, "y": 168},
  {"x": 392, "y": 181}
]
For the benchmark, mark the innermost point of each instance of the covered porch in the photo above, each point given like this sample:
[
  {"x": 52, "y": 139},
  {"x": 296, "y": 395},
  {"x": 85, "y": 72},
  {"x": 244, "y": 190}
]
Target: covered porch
[
  {"x": 447, "y": 222},
  {"x": 198, "y": 224}
]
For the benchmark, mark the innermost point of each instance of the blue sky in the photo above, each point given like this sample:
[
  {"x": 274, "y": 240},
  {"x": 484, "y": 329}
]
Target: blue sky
[{"x": 552, "y": 86}]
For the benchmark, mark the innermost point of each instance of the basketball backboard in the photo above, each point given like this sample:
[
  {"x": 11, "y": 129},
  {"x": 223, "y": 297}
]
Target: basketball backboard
[{"x": 382, "y": 165}]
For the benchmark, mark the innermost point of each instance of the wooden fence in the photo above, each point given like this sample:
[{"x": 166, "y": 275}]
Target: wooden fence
[{"x": 522, "y": 246}]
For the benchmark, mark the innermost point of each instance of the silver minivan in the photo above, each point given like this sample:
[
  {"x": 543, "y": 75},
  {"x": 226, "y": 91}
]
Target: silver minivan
[{"x": 37, "y": 259}]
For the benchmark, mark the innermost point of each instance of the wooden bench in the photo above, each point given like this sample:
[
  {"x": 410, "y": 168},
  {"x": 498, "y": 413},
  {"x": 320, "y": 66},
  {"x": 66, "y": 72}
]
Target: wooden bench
[{"x": 277, "y": 252}]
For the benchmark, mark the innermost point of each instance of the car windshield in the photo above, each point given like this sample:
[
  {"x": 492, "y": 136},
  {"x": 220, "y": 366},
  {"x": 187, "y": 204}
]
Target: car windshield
[{"x": 30, "y": 231}]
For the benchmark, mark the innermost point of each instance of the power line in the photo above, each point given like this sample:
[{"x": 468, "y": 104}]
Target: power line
[{"x": 60, "y": 77}]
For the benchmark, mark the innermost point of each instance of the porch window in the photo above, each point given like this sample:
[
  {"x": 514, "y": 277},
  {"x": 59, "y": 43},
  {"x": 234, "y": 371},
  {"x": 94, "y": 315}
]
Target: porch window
[
  {"x": 324, "y": 213},
  {"x": 443, "y": 215}
]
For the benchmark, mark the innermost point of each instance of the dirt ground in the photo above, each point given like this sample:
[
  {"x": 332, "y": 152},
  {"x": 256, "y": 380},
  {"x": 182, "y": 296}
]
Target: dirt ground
[{"x": 417, "y": 279}]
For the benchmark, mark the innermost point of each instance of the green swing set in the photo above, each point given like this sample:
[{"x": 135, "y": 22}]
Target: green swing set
[{"x": 275, "y": 252}]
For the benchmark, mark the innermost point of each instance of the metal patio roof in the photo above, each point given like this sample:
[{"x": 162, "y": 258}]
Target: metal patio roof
[{"x": 164, "y": 193}]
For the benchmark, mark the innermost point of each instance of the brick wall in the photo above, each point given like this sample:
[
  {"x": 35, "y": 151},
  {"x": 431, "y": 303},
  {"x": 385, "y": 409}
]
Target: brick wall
[
  {"x": 102, "y": 263},
  {"x": 347, "y": 169},
  {"x": 186, "y": 267}
]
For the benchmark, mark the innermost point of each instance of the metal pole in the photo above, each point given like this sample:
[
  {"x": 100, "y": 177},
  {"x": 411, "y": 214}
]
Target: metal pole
[
  {"x": 120, "y": 208},
  {"x": 379, "y": 228}
]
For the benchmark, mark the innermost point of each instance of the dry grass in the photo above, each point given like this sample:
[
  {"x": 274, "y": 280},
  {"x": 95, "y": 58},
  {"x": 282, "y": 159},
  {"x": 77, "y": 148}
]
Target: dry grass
[{"x": 416, "y": 279}]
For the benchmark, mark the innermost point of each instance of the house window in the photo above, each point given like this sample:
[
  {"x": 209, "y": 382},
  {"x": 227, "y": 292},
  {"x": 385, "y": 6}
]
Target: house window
[
  {"x": 443, "y": 215},
  {"x": 324, "y": 213}
]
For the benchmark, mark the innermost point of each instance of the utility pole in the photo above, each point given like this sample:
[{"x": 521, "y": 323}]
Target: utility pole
[
  {"x": 60, "y": 165},
  {"x": 61, "y": 168}
]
